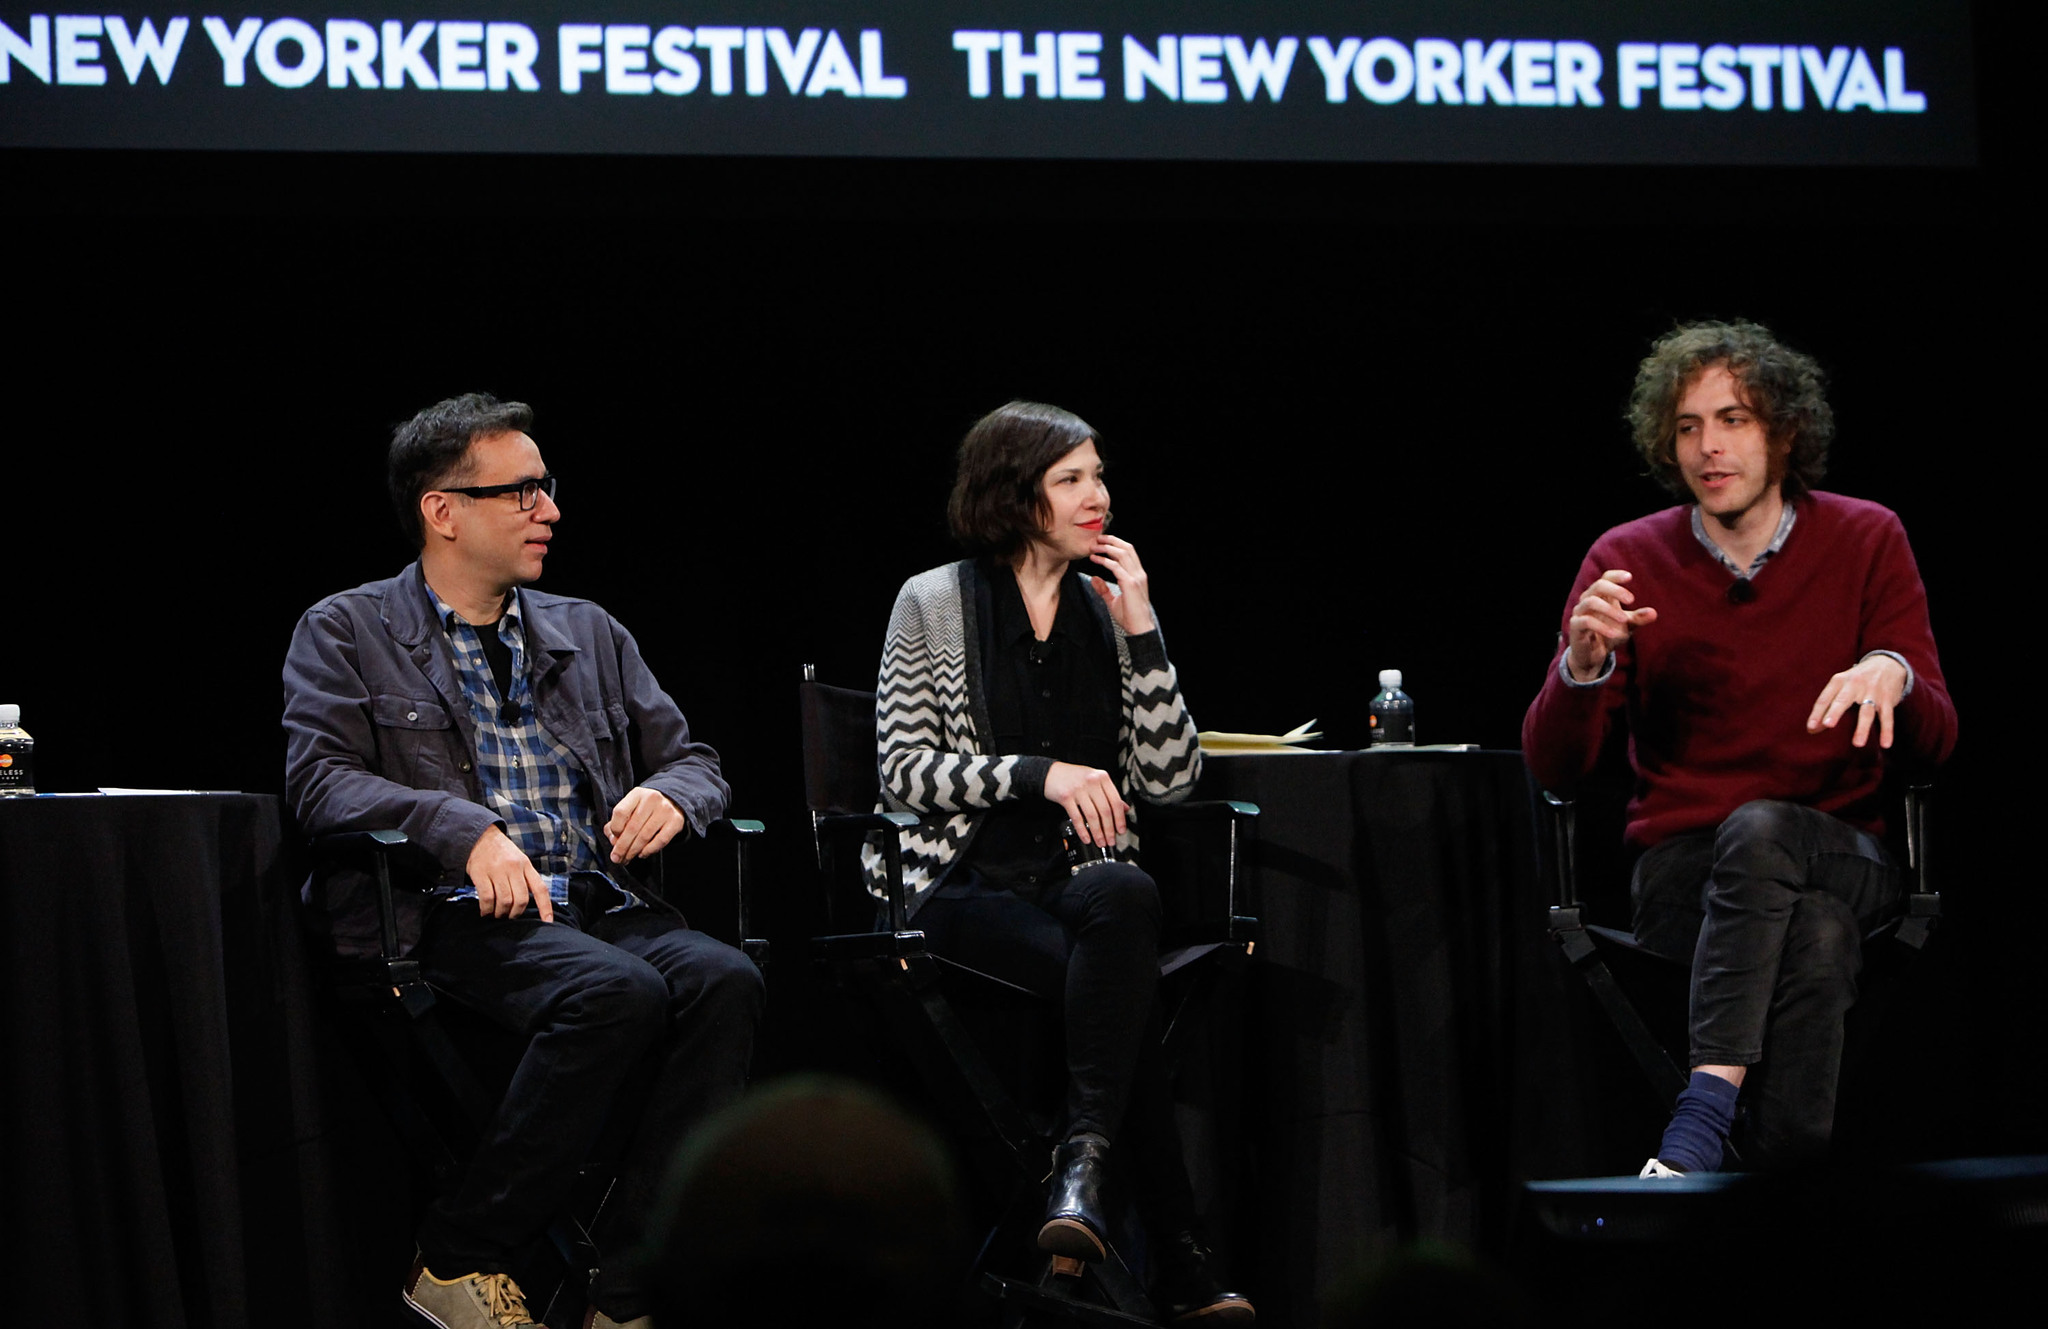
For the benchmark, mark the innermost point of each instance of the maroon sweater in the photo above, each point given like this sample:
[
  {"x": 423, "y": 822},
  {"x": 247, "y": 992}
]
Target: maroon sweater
[{"x": 1716, "y": 694}]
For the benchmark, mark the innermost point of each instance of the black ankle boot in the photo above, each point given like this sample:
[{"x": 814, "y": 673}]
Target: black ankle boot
[
  {"x": 1185, "y": 1287},
  {"x": 1075, "y": 1225}
]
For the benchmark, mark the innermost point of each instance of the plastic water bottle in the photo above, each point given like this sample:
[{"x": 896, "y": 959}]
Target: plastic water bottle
[
  {"x": 17, "y": 755},
  {"x": 1393, "y": 713}
]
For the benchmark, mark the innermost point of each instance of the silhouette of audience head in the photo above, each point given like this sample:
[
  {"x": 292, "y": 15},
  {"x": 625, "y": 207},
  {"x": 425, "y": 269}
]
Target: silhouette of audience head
[
  {"x": 1427, "y": 1284},
  {"x": 812, "y": 1200}
]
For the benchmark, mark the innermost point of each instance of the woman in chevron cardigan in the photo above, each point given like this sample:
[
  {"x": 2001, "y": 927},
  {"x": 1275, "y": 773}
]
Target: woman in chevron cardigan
[{"x": 1018, "y": 700}]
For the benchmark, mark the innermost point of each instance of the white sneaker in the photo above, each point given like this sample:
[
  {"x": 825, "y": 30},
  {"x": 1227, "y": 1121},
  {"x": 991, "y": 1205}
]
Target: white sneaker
[{"x": 1655, "y": 1168}]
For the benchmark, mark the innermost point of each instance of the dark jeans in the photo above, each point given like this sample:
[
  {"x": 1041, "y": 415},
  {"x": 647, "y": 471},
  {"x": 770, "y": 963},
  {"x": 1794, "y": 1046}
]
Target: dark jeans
[
  {"x": 1771, "y": 909},
  {"x": 1089, "y": 942},
  {"x": 598, "y": 995}
]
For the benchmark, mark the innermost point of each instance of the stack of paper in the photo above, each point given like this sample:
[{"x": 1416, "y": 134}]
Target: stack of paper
[{"x": 1216, "y": 741}]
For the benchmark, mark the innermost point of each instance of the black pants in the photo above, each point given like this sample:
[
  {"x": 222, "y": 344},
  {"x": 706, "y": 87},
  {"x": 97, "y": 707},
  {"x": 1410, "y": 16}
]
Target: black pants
[
  {"x": 598, "y": 994},
  {"x": 1091, "y": 943},
  {"x": 1771, "y": 908}
]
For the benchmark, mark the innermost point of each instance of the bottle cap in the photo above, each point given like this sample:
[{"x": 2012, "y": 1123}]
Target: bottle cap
[
  {"x": 10, "y": 715},
  {"x": 1390, "y": 678}
]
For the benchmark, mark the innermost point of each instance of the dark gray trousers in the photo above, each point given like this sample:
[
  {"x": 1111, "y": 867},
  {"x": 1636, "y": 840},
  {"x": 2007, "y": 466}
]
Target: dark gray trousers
[
  {"x": 1091, "y": 943},
  {"x": 599, "y": 995},
  {"x": 1771, "y": 908}
]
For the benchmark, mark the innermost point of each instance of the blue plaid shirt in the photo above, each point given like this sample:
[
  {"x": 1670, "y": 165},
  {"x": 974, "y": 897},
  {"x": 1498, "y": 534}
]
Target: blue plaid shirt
[{"x": 532, "y": 782}]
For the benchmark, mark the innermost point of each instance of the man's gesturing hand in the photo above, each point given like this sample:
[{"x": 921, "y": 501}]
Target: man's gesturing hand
[
  {"x": 1874, "y": 687},
  {"x": 1601, "y": 621},
  {"x": 643, "y": 823},
  {"x": 504, "y": 878},
  {"x": 1091, "y": 801}
]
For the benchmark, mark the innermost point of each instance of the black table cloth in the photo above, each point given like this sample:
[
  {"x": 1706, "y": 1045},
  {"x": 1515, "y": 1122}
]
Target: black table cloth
[
  {"x": 1410, "y": 1048},
  {"x": 157, "y": 1087},
  {"x": 1406, "y": 1046}
]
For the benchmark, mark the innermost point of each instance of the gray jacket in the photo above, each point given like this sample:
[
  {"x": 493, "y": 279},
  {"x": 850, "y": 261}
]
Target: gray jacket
[{"x": 378, "y": 736}]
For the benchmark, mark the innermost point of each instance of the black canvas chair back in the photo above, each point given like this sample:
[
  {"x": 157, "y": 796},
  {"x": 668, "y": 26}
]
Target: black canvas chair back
[
  {"x": 842, "y": 782},
  {"x": 840, "y": 775}
]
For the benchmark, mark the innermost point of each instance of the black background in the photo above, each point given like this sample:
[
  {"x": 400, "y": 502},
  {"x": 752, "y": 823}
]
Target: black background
[{"x": 1357, "y": 417}]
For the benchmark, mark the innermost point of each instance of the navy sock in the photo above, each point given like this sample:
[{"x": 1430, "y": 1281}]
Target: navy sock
[{"x": 1699, "y": 1125}]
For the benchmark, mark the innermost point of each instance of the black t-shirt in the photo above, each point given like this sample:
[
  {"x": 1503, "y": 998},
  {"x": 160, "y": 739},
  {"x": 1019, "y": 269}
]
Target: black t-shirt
[
  {"x": 1059, "y": 698},
  {"x": 499, "y": 655}
]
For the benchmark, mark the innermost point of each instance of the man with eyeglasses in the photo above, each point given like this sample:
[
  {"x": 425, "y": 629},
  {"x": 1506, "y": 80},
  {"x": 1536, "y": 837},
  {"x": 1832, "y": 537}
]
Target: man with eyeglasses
[{"x": 518, "y": 739}]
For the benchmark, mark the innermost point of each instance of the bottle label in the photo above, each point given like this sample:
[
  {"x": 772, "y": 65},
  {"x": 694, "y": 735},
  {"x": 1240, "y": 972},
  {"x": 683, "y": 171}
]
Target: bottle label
[
  {"x": 17, "y": 770},
  {"x": 1392, "y": 728}
]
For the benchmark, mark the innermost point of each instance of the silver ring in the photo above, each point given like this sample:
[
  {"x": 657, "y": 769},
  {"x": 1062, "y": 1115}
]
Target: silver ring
[{"x": 1868, "y": 701}]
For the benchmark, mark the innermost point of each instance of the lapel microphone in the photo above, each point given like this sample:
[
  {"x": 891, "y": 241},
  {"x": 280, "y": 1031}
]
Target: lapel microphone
[
  {"x": 1741, "y": 591},
  {"x": 509, "y": 713}
]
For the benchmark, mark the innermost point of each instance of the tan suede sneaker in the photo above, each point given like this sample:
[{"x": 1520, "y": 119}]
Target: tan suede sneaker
[
  {"x": 473, "y": 1301},
  {"x": 593, "y": 1318}
]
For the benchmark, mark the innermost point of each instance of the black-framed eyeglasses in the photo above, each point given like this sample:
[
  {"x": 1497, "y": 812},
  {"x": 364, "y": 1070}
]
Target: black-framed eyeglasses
[{"x": 529, "y": 491}]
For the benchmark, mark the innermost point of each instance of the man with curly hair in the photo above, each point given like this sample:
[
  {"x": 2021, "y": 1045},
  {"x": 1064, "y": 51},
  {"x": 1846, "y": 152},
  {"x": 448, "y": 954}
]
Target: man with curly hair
[{"x": 1767, "y": 645}]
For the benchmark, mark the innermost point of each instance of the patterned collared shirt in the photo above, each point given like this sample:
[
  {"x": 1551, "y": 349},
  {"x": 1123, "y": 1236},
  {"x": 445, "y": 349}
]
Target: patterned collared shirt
[
  {"x": 530, "y": 780},
  {"x": 1756, "y": 565}
]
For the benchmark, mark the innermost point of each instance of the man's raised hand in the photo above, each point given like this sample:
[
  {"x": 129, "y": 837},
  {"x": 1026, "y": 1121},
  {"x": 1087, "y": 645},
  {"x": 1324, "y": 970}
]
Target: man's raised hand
[{"x": 1602, "y": 621}]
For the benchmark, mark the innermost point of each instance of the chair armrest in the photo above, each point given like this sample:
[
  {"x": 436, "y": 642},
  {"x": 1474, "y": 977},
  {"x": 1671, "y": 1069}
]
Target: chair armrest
[
  {"x": 1923, "y": 895},
  {"x": 1562, "y": 814},
  {"x": 348, "y": 842},
  {"x": 1204, "y": 809},
  {"x": 743, "y": 833},
  {"x": 1919, "y": 838},
  {"x": 844, "y": 826},
  {"x": 1235, "y": 822},
  {"x": 853, "y": 825},
  {"x": 381, "y": 847}
]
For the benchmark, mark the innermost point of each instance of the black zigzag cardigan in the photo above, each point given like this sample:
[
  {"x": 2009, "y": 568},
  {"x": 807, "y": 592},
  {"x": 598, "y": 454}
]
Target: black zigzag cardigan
[{"x": 932, "y": 724}]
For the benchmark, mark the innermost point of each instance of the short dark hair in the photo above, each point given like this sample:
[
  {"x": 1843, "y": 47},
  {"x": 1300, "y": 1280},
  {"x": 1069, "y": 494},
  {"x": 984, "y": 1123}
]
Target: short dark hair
[
  {"x": 998, "y": 501},
  {"x": 432, "y": 449},
  {"x": 1787, "y": 390}
]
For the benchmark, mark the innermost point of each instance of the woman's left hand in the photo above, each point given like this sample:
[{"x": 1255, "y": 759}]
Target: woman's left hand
[{"x": 1133, "y": 609}]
